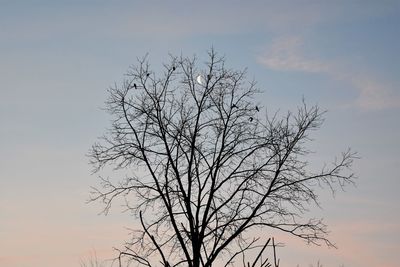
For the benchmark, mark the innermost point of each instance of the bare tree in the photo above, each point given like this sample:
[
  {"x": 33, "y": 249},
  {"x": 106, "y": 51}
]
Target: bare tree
[
  {"x": 208, "y": 166},
  {"x": 92, "y": 261}
]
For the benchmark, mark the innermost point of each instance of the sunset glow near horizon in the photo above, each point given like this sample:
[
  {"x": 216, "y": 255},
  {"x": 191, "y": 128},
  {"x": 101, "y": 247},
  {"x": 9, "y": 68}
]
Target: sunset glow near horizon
[{"x": 57, "y": 59}]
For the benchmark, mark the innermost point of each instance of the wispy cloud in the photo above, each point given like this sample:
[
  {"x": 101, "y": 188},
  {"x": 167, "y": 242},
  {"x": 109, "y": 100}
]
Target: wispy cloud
[
  {"x": 286, "y": 54},
  {"x": 374, "y": 94}
]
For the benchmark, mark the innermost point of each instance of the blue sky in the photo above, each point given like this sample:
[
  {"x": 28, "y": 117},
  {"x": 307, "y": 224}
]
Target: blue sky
[{"x": 57, "y": 58}]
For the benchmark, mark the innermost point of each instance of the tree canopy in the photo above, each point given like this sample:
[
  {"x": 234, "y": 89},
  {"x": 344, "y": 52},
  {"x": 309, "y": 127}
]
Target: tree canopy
[{"x": 208, "y": 163}]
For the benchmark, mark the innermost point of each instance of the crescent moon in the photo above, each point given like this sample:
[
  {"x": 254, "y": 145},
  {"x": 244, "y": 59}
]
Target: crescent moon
[{"x": 199, "y": 80}]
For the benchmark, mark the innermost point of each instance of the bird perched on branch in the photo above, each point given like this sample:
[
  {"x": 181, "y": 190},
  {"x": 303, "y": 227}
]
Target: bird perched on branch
[{"x": 257, "y": 109}]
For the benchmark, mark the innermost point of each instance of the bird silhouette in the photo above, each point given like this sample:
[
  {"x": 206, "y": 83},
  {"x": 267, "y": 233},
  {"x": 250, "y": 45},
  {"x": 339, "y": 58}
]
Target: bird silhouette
[
  {"x": 257, "y": 109},
  {"x": 173, "y": 68},
  {"x": 135, "y": 86},
  {"x": 148, "y": 74},
  {"x": 251, "y": 119}
]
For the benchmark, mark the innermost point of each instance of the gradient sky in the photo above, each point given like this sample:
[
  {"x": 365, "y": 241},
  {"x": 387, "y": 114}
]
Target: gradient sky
[{"x": 57, "y": 58}]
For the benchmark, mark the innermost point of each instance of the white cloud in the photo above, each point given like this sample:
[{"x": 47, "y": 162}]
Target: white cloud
[
  {"x": 374, "y": 94},
  {"x": 286, "y": 54}
]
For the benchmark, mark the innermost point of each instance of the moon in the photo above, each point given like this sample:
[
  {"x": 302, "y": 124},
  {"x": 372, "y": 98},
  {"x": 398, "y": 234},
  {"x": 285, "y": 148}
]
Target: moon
[{"x": 199, "y": 80}]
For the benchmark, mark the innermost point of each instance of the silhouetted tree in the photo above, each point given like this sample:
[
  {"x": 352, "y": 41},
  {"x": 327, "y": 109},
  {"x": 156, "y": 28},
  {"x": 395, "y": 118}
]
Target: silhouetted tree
[
  {"x": 207, "y": 166},
  {"x": 92, "y": 261}
]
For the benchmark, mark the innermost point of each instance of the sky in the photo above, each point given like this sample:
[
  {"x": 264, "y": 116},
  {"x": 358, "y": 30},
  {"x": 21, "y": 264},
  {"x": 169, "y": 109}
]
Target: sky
[{"x": 57, "y": 59}]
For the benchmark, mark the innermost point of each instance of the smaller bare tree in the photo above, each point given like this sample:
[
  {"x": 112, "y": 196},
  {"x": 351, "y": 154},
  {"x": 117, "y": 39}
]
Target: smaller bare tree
[
  {"x": 92, "y": 261},
  {"x": 207, "y": 167}
]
